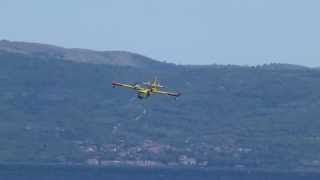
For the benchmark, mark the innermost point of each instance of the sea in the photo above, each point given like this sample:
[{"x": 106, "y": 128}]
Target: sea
[{"x": 60, "y": 172}]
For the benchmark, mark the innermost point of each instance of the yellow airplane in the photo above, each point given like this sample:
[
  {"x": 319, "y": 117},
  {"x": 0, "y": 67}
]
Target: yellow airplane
[{"x": 147, "y": 89}]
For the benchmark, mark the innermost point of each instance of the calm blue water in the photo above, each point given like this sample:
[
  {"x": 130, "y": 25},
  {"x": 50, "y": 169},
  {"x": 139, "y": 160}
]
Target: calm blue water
[{"x": 32, "y": 172}]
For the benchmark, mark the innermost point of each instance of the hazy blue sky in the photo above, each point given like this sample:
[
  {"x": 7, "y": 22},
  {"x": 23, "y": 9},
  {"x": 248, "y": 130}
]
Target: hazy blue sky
[{"x": 180, "y": 31}]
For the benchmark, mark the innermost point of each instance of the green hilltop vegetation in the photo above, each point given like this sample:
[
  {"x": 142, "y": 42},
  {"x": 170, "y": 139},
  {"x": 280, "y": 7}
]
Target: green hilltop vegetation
[{"x": 55, "y": 109}]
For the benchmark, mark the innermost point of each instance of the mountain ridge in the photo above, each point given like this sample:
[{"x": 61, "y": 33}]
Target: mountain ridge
[
  {"x": 111, "y": 57},
  {"x": 121, "y": 58}
]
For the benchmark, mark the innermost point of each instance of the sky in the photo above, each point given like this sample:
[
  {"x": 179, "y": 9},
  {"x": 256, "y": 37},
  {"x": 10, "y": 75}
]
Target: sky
[{"x": 242, "y": 32}]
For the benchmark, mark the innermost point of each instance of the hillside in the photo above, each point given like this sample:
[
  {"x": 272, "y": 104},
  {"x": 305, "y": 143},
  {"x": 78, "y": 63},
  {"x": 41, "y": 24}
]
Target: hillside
[
  {"x": 44, "y": 51},
  {"x": 58, "y": 111}
]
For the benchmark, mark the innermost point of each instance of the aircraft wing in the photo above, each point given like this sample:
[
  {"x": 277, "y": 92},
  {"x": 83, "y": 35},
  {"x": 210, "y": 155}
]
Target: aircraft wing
[
  {"x": 167, "y": 93},
  {"x": 114, "y": 84}
]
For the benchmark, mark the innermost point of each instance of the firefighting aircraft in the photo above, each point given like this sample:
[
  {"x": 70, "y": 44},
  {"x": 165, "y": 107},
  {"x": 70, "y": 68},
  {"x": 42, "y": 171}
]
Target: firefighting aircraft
[{"x": 146, "y": 89}]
